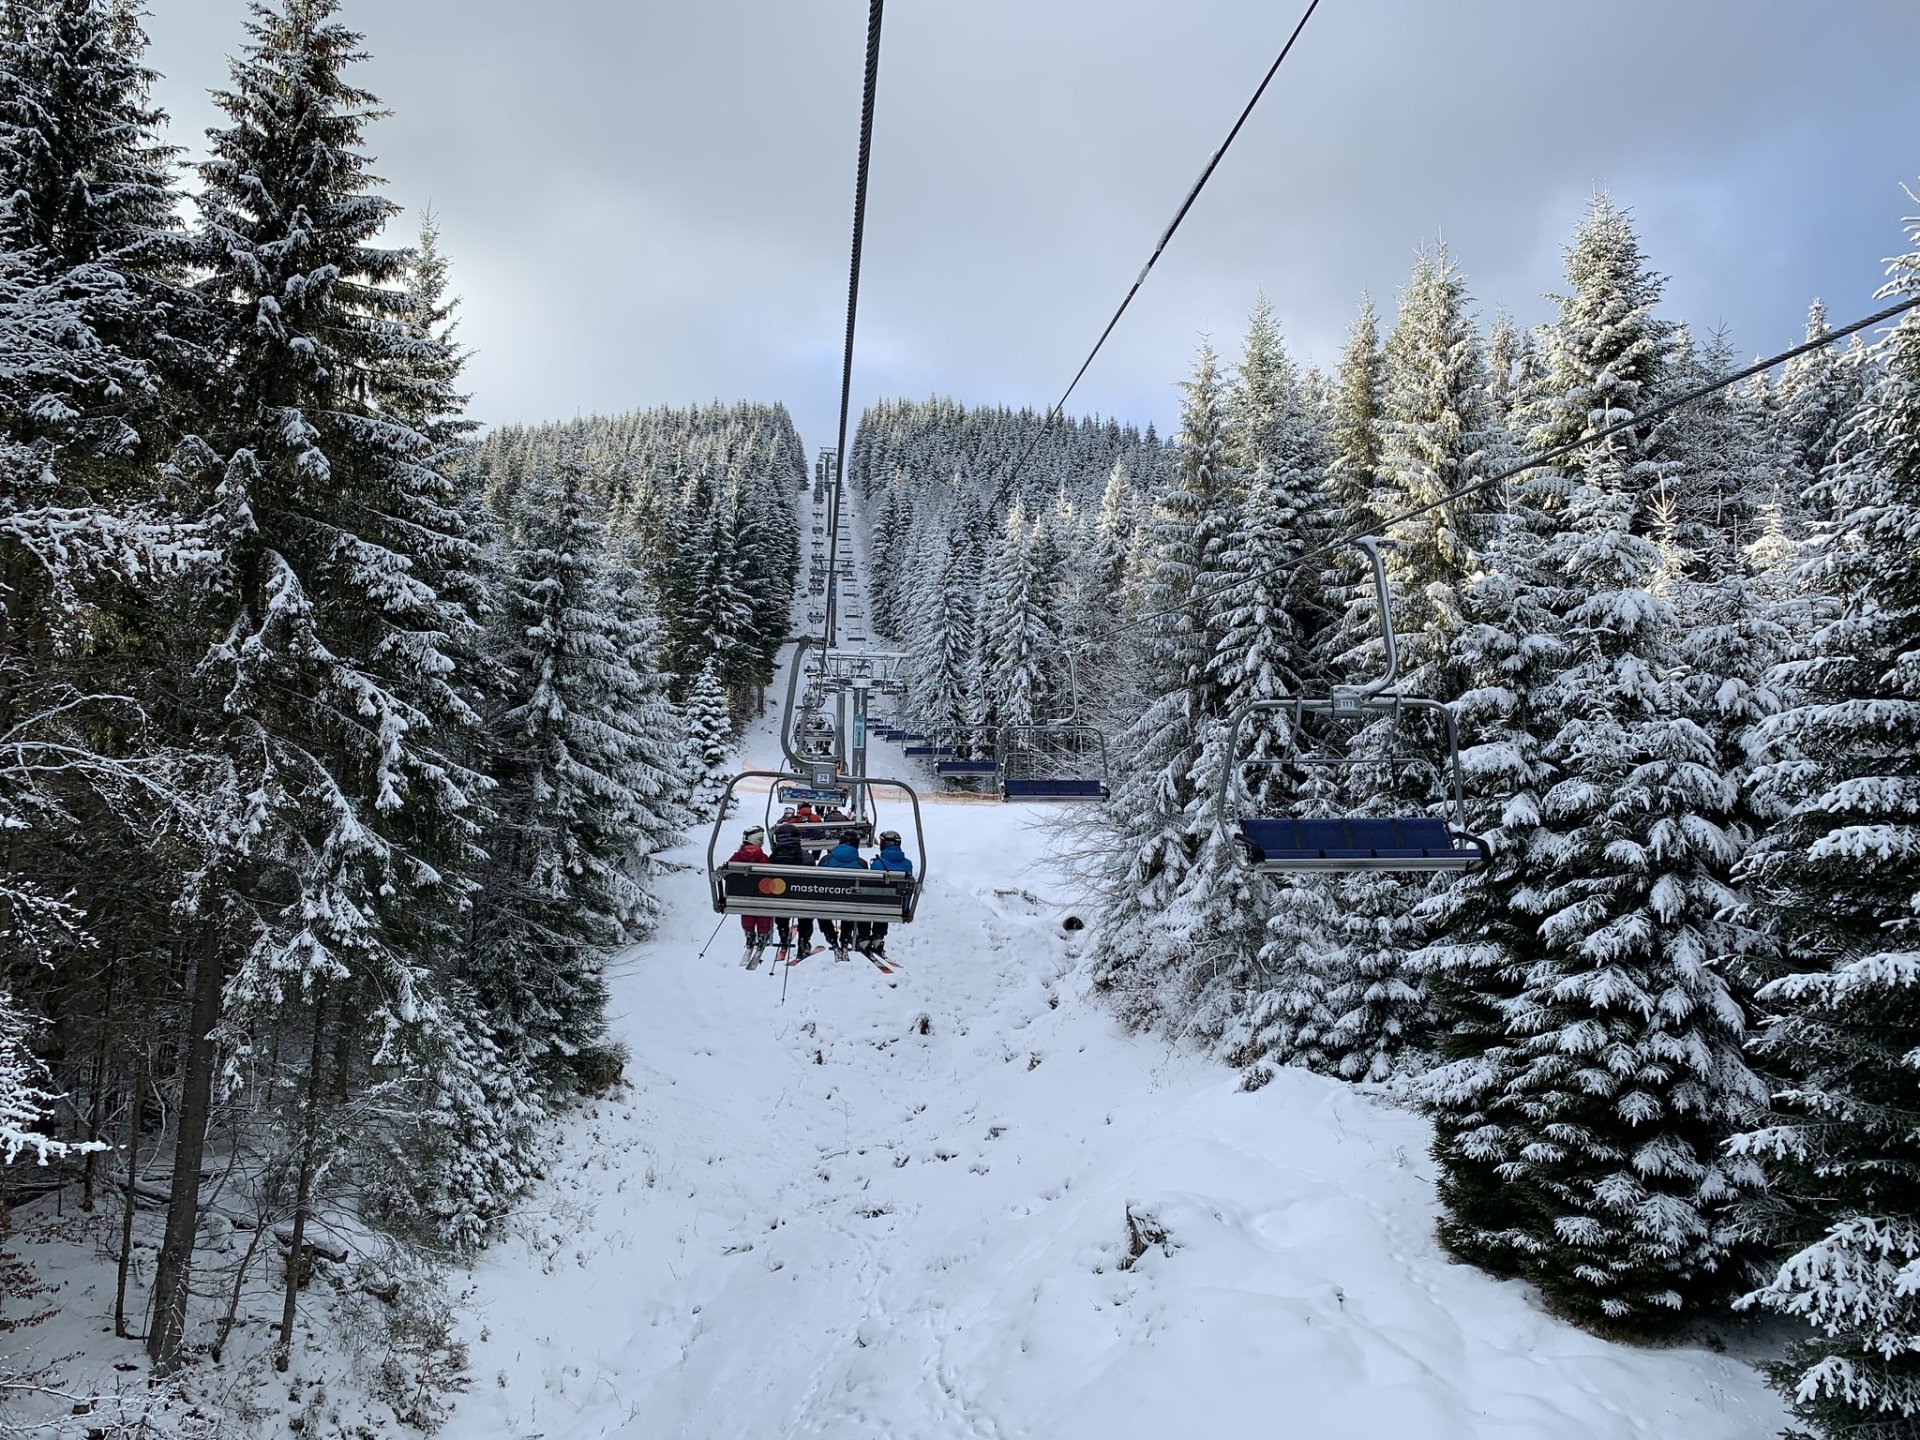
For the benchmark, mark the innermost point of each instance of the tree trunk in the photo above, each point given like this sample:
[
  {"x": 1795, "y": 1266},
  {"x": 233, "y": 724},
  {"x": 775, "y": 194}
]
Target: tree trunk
[
  {"x": 303, "y": 1184},
  {"x": 136, "y": 1109},
  {"x": 97, "y": 1089},
  {"x": 260, "y": 1232},
  {"x": 190, "y": 1148}
]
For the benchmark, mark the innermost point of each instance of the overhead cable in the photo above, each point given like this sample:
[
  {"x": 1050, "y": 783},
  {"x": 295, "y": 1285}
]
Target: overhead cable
[
  {"x": 853, "y": 311},
  {"x": 1206, "y": 174}
]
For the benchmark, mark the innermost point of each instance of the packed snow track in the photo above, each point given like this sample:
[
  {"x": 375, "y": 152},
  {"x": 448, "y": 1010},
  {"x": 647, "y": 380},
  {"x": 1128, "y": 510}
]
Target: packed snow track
[{"x": 911, "y": 1211}]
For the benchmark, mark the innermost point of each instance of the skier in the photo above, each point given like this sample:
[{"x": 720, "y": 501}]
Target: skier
[
  {"x": 759, "y": 928},
  {"x": 845, "y": 855},
  {"x": 806, "y": 814},
  {"x": 893, "y": 858},
  {"x": 787, "y": 850}
]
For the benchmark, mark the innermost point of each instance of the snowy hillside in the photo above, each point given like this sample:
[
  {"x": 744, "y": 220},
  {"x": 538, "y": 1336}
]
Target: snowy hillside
[
  {"x": 906, "y": 1212},
  {"x": 956, "y": 1201}
]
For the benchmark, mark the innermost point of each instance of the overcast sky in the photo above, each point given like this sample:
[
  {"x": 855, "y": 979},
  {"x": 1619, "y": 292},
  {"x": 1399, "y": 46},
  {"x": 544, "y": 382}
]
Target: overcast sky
[{"x": 648, "y": 201}]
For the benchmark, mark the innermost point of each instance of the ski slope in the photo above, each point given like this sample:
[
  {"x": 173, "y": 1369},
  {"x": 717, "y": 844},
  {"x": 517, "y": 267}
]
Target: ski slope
[{"x": 904, "y": 1211}]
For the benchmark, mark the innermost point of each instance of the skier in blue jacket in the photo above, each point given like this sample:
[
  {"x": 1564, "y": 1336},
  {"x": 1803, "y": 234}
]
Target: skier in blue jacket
[
  {"x": 893, "y": 858},
  {"x": 846, "y": 856}
]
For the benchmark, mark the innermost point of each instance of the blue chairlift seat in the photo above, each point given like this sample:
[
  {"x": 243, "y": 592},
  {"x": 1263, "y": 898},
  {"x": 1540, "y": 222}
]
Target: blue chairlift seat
[
  {"x": 1389, "y": 843},
  {"x": 967, "y": 767},
  {"x": 912, "y": 738},
  {"x": 1018, "y": 788},
  {"x": 929, "y": 752}
]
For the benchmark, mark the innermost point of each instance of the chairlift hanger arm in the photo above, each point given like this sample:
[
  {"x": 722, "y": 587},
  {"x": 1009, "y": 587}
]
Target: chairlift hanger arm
[{"x": 1371, "y": 545}]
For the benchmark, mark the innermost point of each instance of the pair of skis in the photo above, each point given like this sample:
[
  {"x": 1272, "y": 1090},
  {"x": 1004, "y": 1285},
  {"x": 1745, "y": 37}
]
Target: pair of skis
[{"x": 756, "y": 953}]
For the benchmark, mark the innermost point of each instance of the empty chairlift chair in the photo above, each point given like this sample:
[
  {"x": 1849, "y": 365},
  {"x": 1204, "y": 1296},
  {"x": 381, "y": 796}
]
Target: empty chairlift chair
[
  {"x": 1053, "y": 762},
  {"x": 964, "y": 768},
  {"x": 973, "y": 755},
  {"x": 1278, "y": 845}
]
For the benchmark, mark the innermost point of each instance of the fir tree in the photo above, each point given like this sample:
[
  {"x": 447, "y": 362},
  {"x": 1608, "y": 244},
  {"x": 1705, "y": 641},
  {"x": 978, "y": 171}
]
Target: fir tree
[
  {"x": 1017, "y": 641},
  {"x": 1582, "y": 1146},
  {"x": 1838, "y": 878},
  {"x": 941, "y": 628},
  {"x": 709, "y": 741},
  {"x": 576, "y": 796},
  {"x": 334, "y": 674},
  {"x": 1355, "y": 425},
  {"x": 1140, "y": 942}
]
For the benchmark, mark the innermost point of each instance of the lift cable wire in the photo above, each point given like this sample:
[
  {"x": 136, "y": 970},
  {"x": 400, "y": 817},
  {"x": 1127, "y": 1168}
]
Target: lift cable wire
[
  {"x": 1558, "y": 452},
  {"x": 1166, "y": 235},
  {"x": 853, "y": 310}
]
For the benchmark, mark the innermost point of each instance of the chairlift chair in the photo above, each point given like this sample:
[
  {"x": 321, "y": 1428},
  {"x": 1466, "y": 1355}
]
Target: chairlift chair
[
  {"x": 746, "y": 888},
  {"x": 1042, "y": 752},
  {"x": 965, "y": 768},
  {"x": 802, "y": 793},
  {"x": 1412, "y": 844}
]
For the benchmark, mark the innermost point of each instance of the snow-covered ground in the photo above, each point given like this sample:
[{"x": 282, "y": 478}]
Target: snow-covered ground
[
  {"x": 828, "y": 1205},
  {"x": 844, "y": 1205},
  {"x": 903, "y": 1212}
]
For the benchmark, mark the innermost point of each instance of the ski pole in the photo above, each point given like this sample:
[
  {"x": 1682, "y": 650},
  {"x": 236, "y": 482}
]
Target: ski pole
[{"x": 710, "y": 939}]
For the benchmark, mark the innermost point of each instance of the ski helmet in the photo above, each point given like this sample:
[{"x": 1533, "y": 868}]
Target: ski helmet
[
  {"x": 754, "y": 834},
  {"x": 889, "y": 837},
  {"x": 784, "y": 833}
]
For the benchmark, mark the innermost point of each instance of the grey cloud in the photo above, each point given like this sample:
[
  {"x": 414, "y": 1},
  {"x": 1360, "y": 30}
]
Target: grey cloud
[{"x": 648, "y": 202}]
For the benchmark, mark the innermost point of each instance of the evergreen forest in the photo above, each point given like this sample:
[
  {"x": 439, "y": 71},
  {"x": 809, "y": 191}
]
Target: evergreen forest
[{"x": 341, "y": 735}]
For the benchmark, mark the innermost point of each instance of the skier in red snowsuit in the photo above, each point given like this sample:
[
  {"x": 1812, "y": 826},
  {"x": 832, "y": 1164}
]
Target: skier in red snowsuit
[{"x": 759, "y": 928}]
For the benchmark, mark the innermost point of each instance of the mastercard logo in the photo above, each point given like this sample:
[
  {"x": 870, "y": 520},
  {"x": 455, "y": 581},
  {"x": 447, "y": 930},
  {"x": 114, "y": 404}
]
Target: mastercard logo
[{"x": 773, "y": 885}]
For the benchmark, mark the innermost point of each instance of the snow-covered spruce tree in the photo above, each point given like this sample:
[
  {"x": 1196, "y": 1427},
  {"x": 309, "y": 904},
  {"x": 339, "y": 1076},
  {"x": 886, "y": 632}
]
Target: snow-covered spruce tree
[
  {"x": 940, "y": 623},
  {"x": 1839, "y": 877},
  {"x": 90, "y": 197},
  {"x": 1269, "y": 420},
  {"x": 711, "y": 614},
  {"x": 575, "y": 795},
  {"x": 1017, "y": 641},
  {"x": 1140, "y": 942},
  {"x": 1508, "y": 351},
  {"x": 1355, "y": 422},
  {"x": 1812, "y": 404},
  {"x": 709, "y": 741},
  {"x": 1583, "y": 1148},
  {"x": 887, "y": 552},
  {"x": 1436, "y": 435},
  {"x": 333, "y": 675},
  {"x": 104, "y": 811},
  {"x": 1481, "y": 931},
  {"x": 1720, "y": 469},
  {"x": 658, "y": 773},
  {"x": 1269, "y": 613}
]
